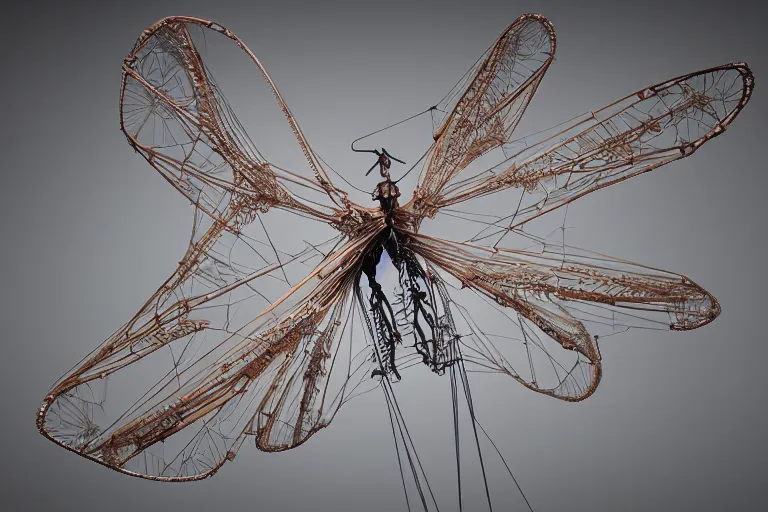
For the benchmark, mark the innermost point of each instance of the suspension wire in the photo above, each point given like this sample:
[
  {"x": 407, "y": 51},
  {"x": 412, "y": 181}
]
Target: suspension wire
[
  {"x": 391, "y": 410},
  {"x": 399, "y": 459},
  {"x": 505, "y": 465},
  {"x": 468, "y": 394},
  {"x": 414, "y": 165},
  {"x": 430, "y": 109},
  {"x": 455, "y": 403},
  {"x": 434, "y": 107},
  {"x": 475, "y": 422},
  {"x": 341, "y": 175},
  {"x": 400, "y": 425},
  {"x": 401, "y": 420}
]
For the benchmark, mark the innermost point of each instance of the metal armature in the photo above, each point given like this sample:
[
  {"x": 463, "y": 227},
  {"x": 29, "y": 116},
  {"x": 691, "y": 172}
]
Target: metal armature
[{"x": 212, "y": 359}]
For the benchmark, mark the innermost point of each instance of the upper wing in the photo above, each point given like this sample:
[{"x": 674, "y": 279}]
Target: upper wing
[
  {"x": 636, "y": 134},
  {"x": 492, "y": 100},
  {"x": 174, "y": 114},
  {"x": 568, "y": 297},
  {"x": 193, "y": 373}
]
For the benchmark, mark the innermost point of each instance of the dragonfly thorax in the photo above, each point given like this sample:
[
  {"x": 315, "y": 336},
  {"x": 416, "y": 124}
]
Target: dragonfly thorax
[{"x": 386, "y": 193}]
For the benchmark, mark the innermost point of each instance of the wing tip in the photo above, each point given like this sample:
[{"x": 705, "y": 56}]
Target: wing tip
[
  {"x": 748, "y": 81},
  {"x": 543, "y": 20},
  {"x": 707, "y": 310},
  {"x": 148, "y": 32},
  {"x": 48, "y": 433},
  {"x": 747, "y": 86}
]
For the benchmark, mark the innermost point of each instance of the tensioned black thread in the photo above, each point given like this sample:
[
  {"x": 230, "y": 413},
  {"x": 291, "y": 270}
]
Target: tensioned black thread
[
  {"x": 505, "y": 465},
  {"x": 468, "y": 395},
  {"x": 397, "y": 450},
  {"x": 434, "y": 107},
  {"x": 413, "y": 166},
  {"x": 455, "y": 402},
  {"x": 341, "y": 176},
  {"x": 430, "y": 109}
]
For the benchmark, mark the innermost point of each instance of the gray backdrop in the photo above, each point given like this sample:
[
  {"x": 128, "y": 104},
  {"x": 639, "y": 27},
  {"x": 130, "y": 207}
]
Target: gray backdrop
[{"x": 89, "y": 231}]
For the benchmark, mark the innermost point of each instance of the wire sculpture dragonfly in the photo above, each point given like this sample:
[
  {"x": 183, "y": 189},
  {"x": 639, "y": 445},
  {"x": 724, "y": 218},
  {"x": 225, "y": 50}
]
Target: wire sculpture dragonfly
[{"x": 238, "y": 363}]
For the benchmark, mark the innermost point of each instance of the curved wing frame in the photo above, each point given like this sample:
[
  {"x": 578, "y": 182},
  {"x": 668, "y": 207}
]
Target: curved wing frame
[
  {"x": 557, "y": 293},
  {"x": 490, "y": 108},
  {"x": 250, "y": 376}
]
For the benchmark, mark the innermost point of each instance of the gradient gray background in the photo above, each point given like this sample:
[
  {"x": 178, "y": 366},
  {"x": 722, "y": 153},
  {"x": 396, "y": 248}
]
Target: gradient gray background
[{"x": 89, "y": 231}]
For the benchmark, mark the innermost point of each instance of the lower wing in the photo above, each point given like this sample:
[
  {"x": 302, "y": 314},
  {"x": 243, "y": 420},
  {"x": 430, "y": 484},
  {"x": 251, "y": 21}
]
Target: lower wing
[
  {"x": 520, "y": 309},
  {"x": 190, "y": 377}
]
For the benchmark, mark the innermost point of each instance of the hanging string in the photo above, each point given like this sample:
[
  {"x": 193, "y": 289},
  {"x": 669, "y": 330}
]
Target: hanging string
[
  {"x": 434, "y": 107},
  {"x": 430, "y": 110},
  {"x": 414, "y": 165},
  {"x": 340, "y": 175}
]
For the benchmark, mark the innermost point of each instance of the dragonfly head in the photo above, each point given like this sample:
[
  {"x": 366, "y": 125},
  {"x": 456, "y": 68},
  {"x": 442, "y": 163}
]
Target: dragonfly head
[{"x": 383, "y": 160}]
